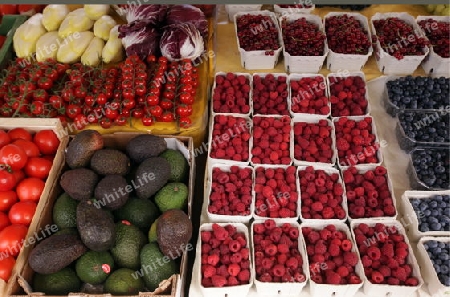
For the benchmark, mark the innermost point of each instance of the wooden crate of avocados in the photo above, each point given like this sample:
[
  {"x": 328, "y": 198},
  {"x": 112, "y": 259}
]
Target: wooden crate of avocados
[{"x": 174, "y": 286}]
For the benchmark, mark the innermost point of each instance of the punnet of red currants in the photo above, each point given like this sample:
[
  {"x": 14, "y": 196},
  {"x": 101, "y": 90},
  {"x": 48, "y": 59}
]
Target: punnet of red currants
[
  {"x": 439, "y": 35},
  {"x": 302, "y": 38}
]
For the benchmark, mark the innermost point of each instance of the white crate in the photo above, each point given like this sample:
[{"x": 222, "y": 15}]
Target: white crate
[
  {"x": 329, "y": 171},
  {"x": 391, "y": 190},
  {"x": 252, "y": 60},
  {"x": 386, "y": 290},
  {"x": 235, "y": 291},
  {"x": 344, "y": 75},
  {"x": 304, "y": 64},
  {"x": 250, "y": 101},
  {"x": 435, "y": 287},
  {"x": 278, "y": 220},
  {"x": 326, "y": 290},
  {"x": 298, "y": 77},
  {"x": 412, "y": 223},
  {"x": 216, "y": 218},
  {"x": 232, "y": 9},
  {"x": 292, "y": 10},
  {"x": 333, "y": 143},
  {"x": 336, "y": 61},
  {"x": 284, "y": 289},
  {"x": 389, "y": 64},
  {"x": 377, "y": 143},
  {"x": 434, "y": 64}
]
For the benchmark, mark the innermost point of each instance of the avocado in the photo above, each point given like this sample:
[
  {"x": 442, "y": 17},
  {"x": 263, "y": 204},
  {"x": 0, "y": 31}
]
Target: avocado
[
  {"x": 60, "y": 283},
  {"x": 65, "y": 212},
  {"x": 110, "y": 162},
  {"x": 151, "y": 176},
  {"x": 94, "y": 267},
  {"x": 152, "y": 237},
  {"x": 55, "y": 253},
  {"x": 113, "y": 191},
  {"x": 124, "y": 281},
  {"x": 95, "y": 225},
  {"x": 178, "y": 164},
  {"x": 93, "y": 289},
  {"x": 128, "y": 243},
  {"x": 72, "y": 231},
  {"x": 155, "y": 267},
  {"x": 172, "y": 196},
  {"x": 79, "y": 183},
  {"x": 145, "y": 146},
  {"x": 139, "y": 212},
  {"x": 173, "y": 231},
  {"x": 82, "y": 147}
]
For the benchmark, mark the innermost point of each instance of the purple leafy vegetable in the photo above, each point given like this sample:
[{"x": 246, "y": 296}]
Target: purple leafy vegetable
[
  {"x": 181, "y": 41},
  {"x": 152, "y": 14},
  {"x": 180, "y": 14},
  {"x": 142, "y": 42}
]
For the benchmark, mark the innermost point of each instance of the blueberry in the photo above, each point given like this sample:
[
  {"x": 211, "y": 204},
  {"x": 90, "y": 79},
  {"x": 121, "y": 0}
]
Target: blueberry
[
  {"x": 424, "y": 228},
  {"x": 444, "y": 257},
  {"x": 432, "y": 167},
  {"x": 433, "y": 219},
  {"x": 437, "y": 267}
]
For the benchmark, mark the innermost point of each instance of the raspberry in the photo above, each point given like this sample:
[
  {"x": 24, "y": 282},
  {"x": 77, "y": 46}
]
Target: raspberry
[
  {"x": 333, "y": 278},
  {"x": 218, "y": 281},
  {"x": 317, "y": 206},
  {"x": 208, "y": 271},
  {"x": 265, "y": 278},
  {"x": 234, "y": 246},
  {"x": 393, "y": 281},
  {"x": 271, "y": 250},
  {"x": 377, "y": 277},
  {"x": 234, "y": 269},
  {"x": 374, "y": 253},
  {"x": 284, "y": 213},
  {"x": 320, "y": 248},
  {"x": 259, "y": 228},
  {"x": 244, "y": 276},
  {"x": 388, "y": 250},
  {"x": 269, "y": 224},
  {"x": 233, "y": 281},
  {"x": 400, "y": 273},
  {"x": 219, "y": 232},
  {"x": 334, "y": 250},
  {"x": 343, "y": 271},
  {"x": 342, "y": 144},
  {"x": 380, "y": 171},
  {"x": 283, "y": 248},
  {"x": 366, "y": 261},
  {"x": 279, "y": 270},
  {"x": 313, "y": 236},
  {"x": 412, "y": 281},
  {"x": 213, "y": 260},
  {"x": 350, "y": 258},
  {"x": 385, "y": 271},
  {"x": 236, "y": 258},
  {"x": 346, "y": 245}
]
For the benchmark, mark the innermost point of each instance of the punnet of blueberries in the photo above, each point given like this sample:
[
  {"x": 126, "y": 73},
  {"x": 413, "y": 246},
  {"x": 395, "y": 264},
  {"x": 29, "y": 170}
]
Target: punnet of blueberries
[
  {"x": 432, "y": 167},
  {"x": 439, "y": 253},
  {"x": 433, "y": 213},
  {"x": 417, "y": 93}
]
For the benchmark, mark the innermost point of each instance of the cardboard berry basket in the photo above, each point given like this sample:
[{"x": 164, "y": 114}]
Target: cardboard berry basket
[
  {"x": 250, "y": 101},
  {"x": 345, "y": 163},
  {"x": 329, "y": 171},
  {"x": 298, "y": 77},
  {"x": 277, "y": 220},
  {"x": 262, "y": 76},
  {"x": 435, "y": 287},
  {"x": 391, "y": 190},
  {"x": 385, "y": 290},
  {"x": 38, "y": 224},
  {"x": 344, "y": 75},
  {"x": 276, "y": 288},
  {"x": 291, "y": 10},
  {"x": 333, "y": 143},
  {"x": 217, "y": 218},
  {"x": 389, "y": 64},
  {"x": 434, "y": 64},
  {"x": 172, "y": 287},
  {"x": 258, "y": 59},
  {"x": 303, "y": 64},
  {"x": 235, "y": 291},
  {"x": 337, "y": 61},
  {"x": 412, "y": 221},
  {"x": 233, "y": 9},
  {"x": 327, "y": 290}
]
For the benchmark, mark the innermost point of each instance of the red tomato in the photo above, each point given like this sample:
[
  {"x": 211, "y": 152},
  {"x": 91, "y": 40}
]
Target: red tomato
[
  {"x": 2, "y": 40},
  {"x": 14, "y": 156},
  {"x": 29, "y": 9},
  {"x": 4, "y": 221},
  {"x": 4, "y": 138},
  {"x": 47, "y": 142},
  {"x": 38, "y": 167},
  {"x": 30, "y": 148},
  {"x": 7, "y": 199},
  {"x": 22, "y": 213},
  {"x": 8, "y": 9},
  {"x": 12, "y": 238},
  {"x": 17, "y": 133},
  {"x": 19, "y": 175},
  {"x": 6, "y": 267},
  {"x": 30, "y": 189}
]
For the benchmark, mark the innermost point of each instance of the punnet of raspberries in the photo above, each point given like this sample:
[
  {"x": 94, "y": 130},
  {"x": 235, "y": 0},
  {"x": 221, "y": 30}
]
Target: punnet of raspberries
[
  {"x": 276, "y": 192},
  {"x": 313, "y": 142},
  {"x": 271, "y": 140},
  {"x": 258, "y": 33},
  {"x": 270, "y": 95},
  {"x": 302, "y": 38},
  {"x": 231, "y": 191},
  {"x": 331, "y": 259},
  {"x": 308, "y": 95},
  {"x": 347, "y": 35},
  {"x": 356, "y": 141},
  {"x": 225, "y": 257},
  {"x": 368, "y": 193},
  {"x": 230, "y": 138},
  {"x": 348, "y": 96},
  {"x": 438, "y": 32},
  {"x": 231, "y": 94},
  {"x": 398, "y": 38},
  {"x": 277, "y": 255},
  {"x": 321, "y": 194},
  {"x": 384, "y": 255}
]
